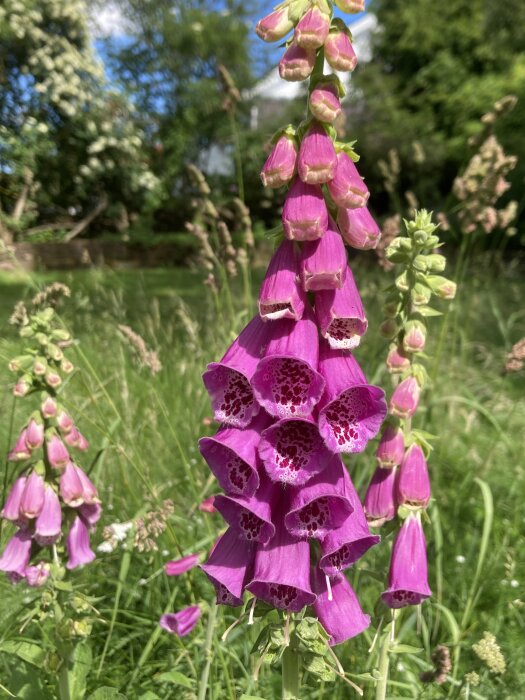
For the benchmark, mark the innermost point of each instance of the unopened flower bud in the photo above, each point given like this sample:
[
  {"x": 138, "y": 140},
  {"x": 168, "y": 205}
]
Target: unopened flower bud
[
  {"x": 40, "y": 366},
  {"x": 389, "y": 328},
  {"x": 22, "y": 387},
  {"x": 351, "y": 6},
  {"x": 358, "y": 228},
  {"x": 413, "y": 484},
  {"x": 347, "y": 188},
  {"x": 274, "y": 26},
  {"x": 339, "y": 51},
  {"x": 297, "y": 63},
  {"x": 396, "y": 361},
  {"x": 66, "y": 366},
  {"x": 53, "y": 379},
  {"x": 391, "y": 448},
  {"x": 324, "y": 101},
  {"x": 414, "y": 337},
  {"x": 420, "y": 294},
  {"x": 317, "y": 158},
  {"x": 436, "y": 263},
  {"x": 34, "y": 434},
  {"x": 280, "y": 164},
  {"x": 312, "y": 29},
  {"x": 405, "y": 398},
  {"x": 442, "y": 287},
  {"x": 48, "y": 409}
]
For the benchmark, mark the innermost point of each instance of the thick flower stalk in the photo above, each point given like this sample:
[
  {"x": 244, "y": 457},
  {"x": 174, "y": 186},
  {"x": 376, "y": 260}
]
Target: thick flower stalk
[
  {"x": 289, "y": 394},
  {"x": 52, "y": 503}
]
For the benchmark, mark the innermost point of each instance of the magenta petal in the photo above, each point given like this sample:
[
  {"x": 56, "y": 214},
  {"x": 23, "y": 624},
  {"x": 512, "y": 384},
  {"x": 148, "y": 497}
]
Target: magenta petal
[
  {"x": 228, "y": 381},
  {"x": 90, "y": 513},
  {"x": 286, "y": 382},
  {"x": 252, "y": 516},
  {"x": 229, "y": 567},
  {"x": 413, "y": 483},
  {"x": 305, "y": 216},
  {"x": 380, "y": 501},
  {"x": 344, "y": 546},
  {"x": 182, "y": 622},
  {"x": 34, "y": 434},
  {"x": 391, "y": 447},
  {"x": 407, "y": 578},
  {"x": 280, "y": 296},
  {"x": 321, "y": 505},
  {"x": 32, "y": 498},
  {"x": 296, "y": 63},
  {"x": 177, "y": 567},
  {"x": 324, "y": 101},
  {"x": 312, "y": 29},
  {"x": 405, "y": 399},
  {"x": 339, "y": 52},
  {"x": 282, "y": 572},
  {"x": 279, "y": 167},
  {"x": 339, "y": 612},
  {"x": 37, "y": 575},
  {"x": 347, "y": 188},
  {"x": 20, "y": 451},
  {"x": 323, "y": 262},
  {"x": 71, "y": 486},
  {"x": 57, "y": 452},
  {"x": 340, "y": 315},
  {"x": 292, "y": 451},
  {"x": 317, "y": 159},
  {"x": 11, "y": 509},
  {"x": 49, "y": 523},
  {"x": 352, "y": 410},
  {"x": 232, "y": 456},
  {"x": 358, "y": 228},
  {"x": 16, "y": 554},
  {"x": 77, "y": 545}
]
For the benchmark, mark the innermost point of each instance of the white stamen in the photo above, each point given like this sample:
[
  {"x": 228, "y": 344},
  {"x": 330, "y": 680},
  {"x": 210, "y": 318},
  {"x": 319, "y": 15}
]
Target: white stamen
[
  {"x": 328, "y": 587},
  {"x": 252, "y": 609}
]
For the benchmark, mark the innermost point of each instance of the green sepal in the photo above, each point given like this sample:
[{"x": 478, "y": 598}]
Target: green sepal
[{"x": 427, "y": 311}]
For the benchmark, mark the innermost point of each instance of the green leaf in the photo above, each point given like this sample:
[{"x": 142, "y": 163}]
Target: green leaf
[
  {"x": 175, "y": 677},
  {"x": 251, "y": 697},
  {"x": 27, "y": 651},
  {"x": 404, "y": 649},
  {"x": 149, "y": 695},
  {"x": 82, "y": 660},
  {"x": 427, "y": 311},
  {"x": 319, "y": 667},
  {"x": 108, "y": 693}
]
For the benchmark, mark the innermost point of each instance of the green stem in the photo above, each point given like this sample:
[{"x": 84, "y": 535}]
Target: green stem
[
  {"x": 383, "y": 668},
  {"x": 203, "y": 684},
  {"x": 290, "y": 674},
  {"x": 64, "y": 692}
]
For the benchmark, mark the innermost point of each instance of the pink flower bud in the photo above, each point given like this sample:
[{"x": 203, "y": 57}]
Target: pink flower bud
[
  {"x": 53, "y": 379},
  {"x": 324, "y": 101},
  {"x": 56, "y": 452},
  {"x": 380, "y": 504},
  {"x": 297, "y": 63},
  {"x": 177, "y": 567},
  {"x": 312, "y": 29},
  {"x": 396, "y": 361},
  {"x": 317, "y": 158},
  {"x": 32, "y": 498},
  {"x": 21, "y": 388},
  {"x": 323, "y": 262},
  {"x": 415, "y": 336},
  {"x": 75, "y": 487},
  {"x": 182, "y": 622},
  {"x": 280, "y": 164},
  {"x": 39, "y": 366},
  {"x": 358, "y": 228},
  {"x": 413, "y": 484},
  {"x": 405, "y": 398},
  {"x": 48, "y": 409},
  {"x": 20, "y": 451},
  {"x": 347, "y": 188},
  {"x": 305, "y": 216},
  {"x": 65, "y": 422},
  {"x": 339, "y": 52},
  {"x": 36, "y": 576},
  {"x": 49, "y": 522},
  {"x": 280, "y": 296},
  {"x": 11, "y": 509},
  {"x": 34, "y": 434},
  {"x": 391, "y": 447},
  {"x": 351, "y": 6},
  {"x": 77, "y": 545},
  {"x": 274, "y": 26},
  {"x": 207, "y": 505}
]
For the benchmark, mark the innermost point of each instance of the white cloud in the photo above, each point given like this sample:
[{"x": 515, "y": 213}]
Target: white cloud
[{"x": 108, "y": 21}]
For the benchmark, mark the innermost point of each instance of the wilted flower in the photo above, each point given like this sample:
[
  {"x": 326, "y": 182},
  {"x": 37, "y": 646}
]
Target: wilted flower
[{"x": 182, "y": 622}]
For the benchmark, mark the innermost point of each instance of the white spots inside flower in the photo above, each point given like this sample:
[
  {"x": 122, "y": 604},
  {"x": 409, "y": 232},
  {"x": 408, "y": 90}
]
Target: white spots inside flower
[
  {"x": 291, "y": 384},
  {"x": 345, "y": 333}
]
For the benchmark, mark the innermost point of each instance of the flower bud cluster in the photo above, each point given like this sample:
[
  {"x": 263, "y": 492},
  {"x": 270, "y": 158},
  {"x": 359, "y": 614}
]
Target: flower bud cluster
[
  {"x": 400, "y": 484},
  {"x": 289, "y": 394},
  {"x": 52, "y": 498}
]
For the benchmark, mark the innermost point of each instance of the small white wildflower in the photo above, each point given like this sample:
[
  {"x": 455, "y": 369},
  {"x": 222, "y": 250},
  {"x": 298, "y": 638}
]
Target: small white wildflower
[
  {"x": 107, "y": 547},
  {"x": 460, "y": 559},
  {"x": 514, "y": 583}
]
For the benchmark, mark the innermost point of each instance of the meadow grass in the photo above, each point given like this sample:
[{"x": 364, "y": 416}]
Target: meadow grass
[{"x": 144, "y": 430}]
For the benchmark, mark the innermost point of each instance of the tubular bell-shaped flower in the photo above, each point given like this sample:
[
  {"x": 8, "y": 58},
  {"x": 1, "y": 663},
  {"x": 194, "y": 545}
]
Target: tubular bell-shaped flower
[
  {"x": 338, "y": 49},
  {"x": 305, "y": 216},
  {"x": 351, "y": 409},
  {"x": 391, "y": 447},
  {"x": 230, "y": 567},
  {"x": 347, "y": 188},
  {"x": 297, "y": 63},
  {"x": 324, "y": 101},
  {"x": 280, "y": 165},
  {"x": 358, "y": 228},
  {"x": 280, "y": 295},
  {"x": 286, "y": 382},
  {"x": 323, "y": 262},
  {"x": 32, "y": 498},
  {"x": 413, "y": 483},
  {"x": 317, "y": 159},
  {"x": 312, "y": 29},
  {"x": 177, "y": 567},
  {"x": 49, "y": 523},
  {"x": 380, "y": 500},
  {"x": 77, "y": 544},
  {"x": 11, "y": 509},
  {"x": 250, "y": 516},
  {"x": 16, "y": 554},
  {"x": 274, "y": 26},
  {"x": 405, "y": 398},
  {"x": 340, "y": 315}
]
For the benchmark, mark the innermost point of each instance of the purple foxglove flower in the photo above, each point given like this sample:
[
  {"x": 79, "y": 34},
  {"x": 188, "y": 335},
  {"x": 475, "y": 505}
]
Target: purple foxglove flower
[
  {"x": 405, "y": 399},
  {"x": 305, "y": 216},
  {"x": 380, "y": 500},
  {"x": 71, "y": 487},
  {"x": 49, "y": 408},
  {"x": 250, "y": 516},
  {"x": 49, "y": 523},
  {"x": 339, "y": 52},
  {"x": 36, "y": 576},
  {"x": 20, "y": 451},
  {"x": 177, "y": 567},
  {"x": 321, "y": 505},
  {"x": 281, "y": 574},
  {"x": 182, "y": 622},
  {"x": 351, "y": 6},
  {"x": 396, "y": 361},
  {"x": 414, "y": 337},
  {"x": 323, "y": 262},
  {"x": 34, "y": 434},
  {"x": 74, "y": 438},
  {"x": 296, "y": 63},
  {"x": 229, "y": 567},
  {"x": 358, "y": 228},
  {"x": 16, "y": 555},
  {"x": 407, "y": 578},
  {"x": 391, "y": 447},
  {"x": 77, "y": 545},
  {"x": 274, "y": 26},
  {"x": 232, "y": 456},
  {"x": 280, "y": 164},
  {"x": 280, "y": 295},
  {"x": 32, "y": 498},
  {"x": 292, "y": 451},
  {"x": 344, "y": 546},
  {"x": 337, "y": 608},
  {"x": 413, "y": 483},
  {"x": 351, "y": 409},
  {"x": 65, "y": 422},
  {"x": 90, "y": 513},
  {"x": 317, "y": 159},
  {"x": 228, "y": 381},
  {"x": 11, "y": 509},
  {"x": 207, "y": 506},
  {"x": 340, "y": 315},
  {"x": 312, "y": 29},
  {"x": 286, "y": 382},
  {"x": 347, "y": 188},
  {"x": 57, "y": 452},
  {"x": 324, "y": 101}
]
